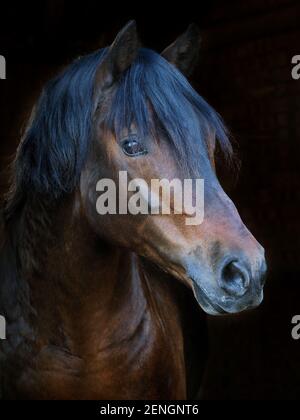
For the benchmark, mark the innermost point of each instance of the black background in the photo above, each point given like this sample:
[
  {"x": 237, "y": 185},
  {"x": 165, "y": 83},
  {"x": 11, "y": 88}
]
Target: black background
[{"x": 245, "y": 73}]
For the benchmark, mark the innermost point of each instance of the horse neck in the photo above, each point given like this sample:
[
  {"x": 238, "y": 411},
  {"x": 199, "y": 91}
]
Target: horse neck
[{"x": 75, "y": 280}]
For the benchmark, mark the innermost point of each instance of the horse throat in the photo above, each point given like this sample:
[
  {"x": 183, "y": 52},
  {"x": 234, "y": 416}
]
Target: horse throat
[
  {"x": 90, "y": 312},
  {"x": 85, "y": 294}
]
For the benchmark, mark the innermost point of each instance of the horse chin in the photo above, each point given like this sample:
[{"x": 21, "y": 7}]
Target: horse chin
[
  {"x": 206, "y": 302},
  {"x": 209, "y": 302}
]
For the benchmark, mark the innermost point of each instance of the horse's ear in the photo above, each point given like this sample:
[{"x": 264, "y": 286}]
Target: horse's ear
[
  {"x": 119, "y": 57},
  {"x": 184, "y": 52}
]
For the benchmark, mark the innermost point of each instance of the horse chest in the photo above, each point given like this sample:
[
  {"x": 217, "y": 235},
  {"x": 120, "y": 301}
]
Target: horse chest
[{"x": 146, "y": 365}]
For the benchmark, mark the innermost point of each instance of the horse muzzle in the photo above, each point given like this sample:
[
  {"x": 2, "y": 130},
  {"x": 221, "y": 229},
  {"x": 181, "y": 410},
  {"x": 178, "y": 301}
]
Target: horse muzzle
[{"x": 234, "y": 290}]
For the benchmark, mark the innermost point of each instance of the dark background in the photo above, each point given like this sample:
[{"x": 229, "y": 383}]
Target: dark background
[{"x": 245, "y": 73}]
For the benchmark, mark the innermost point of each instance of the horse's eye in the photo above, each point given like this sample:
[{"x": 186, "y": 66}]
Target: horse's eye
[{"x": 132, "y": 147}]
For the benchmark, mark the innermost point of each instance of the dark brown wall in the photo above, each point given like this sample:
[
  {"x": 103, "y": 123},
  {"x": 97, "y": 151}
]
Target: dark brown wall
[{"x": 245, "y": 72}]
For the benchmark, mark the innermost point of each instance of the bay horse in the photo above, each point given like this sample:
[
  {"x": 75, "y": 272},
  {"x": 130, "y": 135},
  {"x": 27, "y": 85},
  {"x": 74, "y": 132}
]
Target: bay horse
[{"x": 109, "y": 307}]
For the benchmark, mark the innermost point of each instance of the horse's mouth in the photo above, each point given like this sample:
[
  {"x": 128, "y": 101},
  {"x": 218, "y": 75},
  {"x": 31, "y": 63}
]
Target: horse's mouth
[
  {"x": 213, "y": 301},
  {"x": 210, "y": 304},
  {"x": 210, "y": 307}
]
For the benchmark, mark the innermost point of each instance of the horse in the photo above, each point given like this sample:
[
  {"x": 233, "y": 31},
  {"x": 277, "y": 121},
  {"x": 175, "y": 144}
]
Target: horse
[{"x": 114, "y": 306}]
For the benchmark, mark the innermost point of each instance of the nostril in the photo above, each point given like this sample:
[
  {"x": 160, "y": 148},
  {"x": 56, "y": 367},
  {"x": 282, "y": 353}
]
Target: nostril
[{"x": 234, "y": 279}]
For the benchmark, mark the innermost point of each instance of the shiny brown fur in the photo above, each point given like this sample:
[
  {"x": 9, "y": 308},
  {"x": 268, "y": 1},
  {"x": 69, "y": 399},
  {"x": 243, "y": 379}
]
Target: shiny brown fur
[{"x": 103, "y": 307}]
